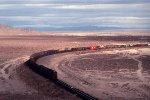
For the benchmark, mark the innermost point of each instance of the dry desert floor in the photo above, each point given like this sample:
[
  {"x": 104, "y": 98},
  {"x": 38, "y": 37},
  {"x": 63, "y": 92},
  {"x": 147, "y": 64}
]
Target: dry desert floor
[{"x": 18, "y": 82}]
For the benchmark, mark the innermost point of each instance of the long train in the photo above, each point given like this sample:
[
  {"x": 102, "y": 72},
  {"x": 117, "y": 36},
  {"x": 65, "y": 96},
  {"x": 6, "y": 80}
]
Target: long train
[
  {"x": 107, "y": 47},
  {"x": 52, "y": 74}
]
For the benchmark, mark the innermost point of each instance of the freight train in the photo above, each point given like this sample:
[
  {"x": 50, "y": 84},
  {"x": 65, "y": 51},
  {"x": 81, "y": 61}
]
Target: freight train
[{"x": 106, "y": 47}]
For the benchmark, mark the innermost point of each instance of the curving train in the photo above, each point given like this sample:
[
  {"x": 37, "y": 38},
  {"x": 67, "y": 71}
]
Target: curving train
[
  {"x": 107, "y": 47},
  {"x": 52, "y": 74}
]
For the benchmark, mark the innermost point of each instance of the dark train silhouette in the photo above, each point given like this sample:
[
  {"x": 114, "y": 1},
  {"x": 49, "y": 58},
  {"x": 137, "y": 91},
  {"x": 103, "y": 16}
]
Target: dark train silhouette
[{"x": 105, "y": 47}]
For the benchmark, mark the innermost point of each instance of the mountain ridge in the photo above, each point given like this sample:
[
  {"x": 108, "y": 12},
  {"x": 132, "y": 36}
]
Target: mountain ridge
[{"x": 6, "y": 30}]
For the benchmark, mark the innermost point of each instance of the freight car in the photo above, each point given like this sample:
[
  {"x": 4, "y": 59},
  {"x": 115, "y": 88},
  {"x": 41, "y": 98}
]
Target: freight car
[
  {"x": 139, "y": 45},
  {"x": 80, "y": 48}
]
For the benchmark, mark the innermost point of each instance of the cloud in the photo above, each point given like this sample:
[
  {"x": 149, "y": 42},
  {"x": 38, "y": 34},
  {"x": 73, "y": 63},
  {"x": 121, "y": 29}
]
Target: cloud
[
  {"x": 87, "y": 20},
  {"x": 76, "y": 14},
  {"x": 104, "y": 6},
  {"x": 32, "y": 18},
  {"x": 76, "y": 6},
  {"x": 75, "y": 1},
  {"x": 43, "y": 25},
  {"x": 116, "y": 19}
]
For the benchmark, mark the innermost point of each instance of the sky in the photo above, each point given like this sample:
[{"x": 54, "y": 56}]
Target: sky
[{"x": 77, "y": 15}]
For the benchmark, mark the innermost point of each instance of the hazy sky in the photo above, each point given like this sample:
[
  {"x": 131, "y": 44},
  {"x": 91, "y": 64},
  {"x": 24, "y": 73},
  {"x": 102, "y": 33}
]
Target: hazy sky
[{"x": 77, "y": 15}]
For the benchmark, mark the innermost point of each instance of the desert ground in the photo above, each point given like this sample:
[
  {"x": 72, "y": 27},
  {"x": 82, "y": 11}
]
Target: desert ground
[
  {"x": 17, "y": 81},
  {"x": 106, "y": 74}
]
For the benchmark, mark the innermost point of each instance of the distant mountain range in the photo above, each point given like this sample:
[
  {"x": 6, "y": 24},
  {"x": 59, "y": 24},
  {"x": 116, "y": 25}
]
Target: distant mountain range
[{"x": 6, "y": 30}]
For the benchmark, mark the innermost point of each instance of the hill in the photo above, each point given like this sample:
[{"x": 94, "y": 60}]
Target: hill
[
  {"x": 9, "y": 31},
  {"x": 6, "y": 30}
]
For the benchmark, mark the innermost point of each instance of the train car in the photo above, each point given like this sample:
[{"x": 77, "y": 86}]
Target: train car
[
  {"x": 101, "y": 47},
  {"x": 109, "y": 46},
  {"x": 80, "y": 48},
  {"x": 123, "y": 46},
  {"x": 139, "y": 45}
]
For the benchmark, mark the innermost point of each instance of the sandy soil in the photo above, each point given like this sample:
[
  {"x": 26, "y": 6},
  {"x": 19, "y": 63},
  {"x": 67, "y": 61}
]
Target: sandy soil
[
  {"x": 19, "y": 82},
  {"x": 113, "y": 74}
]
